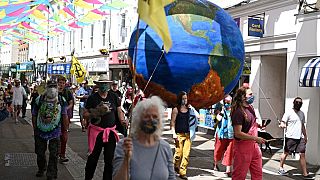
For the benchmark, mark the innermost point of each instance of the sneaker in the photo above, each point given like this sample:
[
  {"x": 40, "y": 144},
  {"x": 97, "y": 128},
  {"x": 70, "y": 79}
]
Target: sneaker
[
  {"x": 229, "y": 174},
  {"x": 216, "y": 168},
  {"x": 308, "y": 177},
  {"x": 282, "y": 172},
  {"x": 63, "y": 160},
  {"x": 176, "y": 169},
  {"x": 16, "y": 121}
]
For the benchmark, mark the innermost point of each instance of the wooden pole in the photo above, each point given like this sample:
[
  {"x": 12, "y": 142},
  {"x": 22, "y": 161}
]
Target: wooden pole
[{"x": 133, "y": 85}]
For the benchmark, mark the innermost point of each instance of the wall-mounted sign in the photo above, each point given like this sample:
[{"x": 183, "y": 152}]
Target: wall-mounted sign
[
  {"x": 95, "y": 65},
  {"x": 255, "y": 26},
  {"x": 118, "y": 57},
  {"x": 59, "y": 69},
  {"x": 25, "y": 67}
]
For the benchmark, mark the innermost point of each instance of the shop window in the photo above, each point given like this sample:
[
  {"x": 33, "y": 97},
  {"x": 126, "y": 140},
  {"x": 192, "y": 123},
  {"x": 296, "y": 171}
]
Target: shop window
[
  {"x": 123, "y": 29},
  {"x": 104, "y": 27},
  {"x": 91, "y": 37},
  {"x": 81, "y": 39}
]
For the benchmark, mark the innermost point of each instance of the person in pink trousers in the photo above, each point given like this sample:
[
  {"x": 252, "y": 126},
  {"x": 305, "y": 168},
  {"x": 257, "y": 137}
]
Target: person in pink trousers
[{"x": 247, "y": 154}]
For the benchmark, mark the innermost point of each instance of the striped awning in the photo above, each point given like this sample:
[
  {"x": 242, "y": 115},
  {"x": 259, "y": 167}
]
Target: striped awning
[{"x": 310, "y": 73}]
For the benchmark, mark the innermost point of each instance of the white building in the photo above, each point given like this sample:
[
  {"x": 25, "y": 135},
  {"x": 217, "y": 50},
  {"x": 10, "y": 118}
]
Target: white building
[
  {"x": 289, "y": 40},
  {"x": 111, "y": 33},
  {"x": 8, "y": 55}
]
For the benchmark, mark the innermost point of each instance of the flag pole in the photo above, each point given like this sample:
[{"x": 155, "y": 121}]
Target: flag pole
[
  {"x": 133, "y": 86},
  {"x": 47, "y": 55}
]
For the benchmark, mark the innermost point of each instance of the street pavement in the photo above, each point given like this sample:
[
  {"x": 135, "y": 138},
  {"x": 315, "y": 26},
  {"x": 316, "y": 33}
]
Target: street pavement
[{"x": 19, "y": 161}]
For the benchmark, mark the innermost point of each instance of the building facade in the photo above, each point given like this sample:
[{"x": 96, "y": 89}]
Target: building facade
[
  {"x": 289, "y": 38},
  {"x": 91, "y": 43}
]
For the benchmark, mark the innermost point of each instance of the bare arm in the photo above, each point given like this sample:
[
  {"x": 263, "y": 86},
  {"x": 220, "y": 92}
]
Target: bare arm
[
  {"x": 304, "y": 132},
  {"x": 282, "y": 124},
  {"x": 123, "y": 172},
  {"x": 122, "y": 103},
  {"x": 34, "y": 119},
  {"x": 173, "y": 117},
  {"x": 70, "y": 105},
  {"x": 65, "y": 121},
  {"x": 244, "y": 136},
  {"x": 121, "y": 116},
  {"x": 173, "y": 121}
]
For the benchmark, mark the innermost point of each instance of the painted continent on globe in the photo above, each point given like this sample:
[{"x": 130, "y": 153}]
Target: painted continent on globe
[{"x": 205, "y": 60}]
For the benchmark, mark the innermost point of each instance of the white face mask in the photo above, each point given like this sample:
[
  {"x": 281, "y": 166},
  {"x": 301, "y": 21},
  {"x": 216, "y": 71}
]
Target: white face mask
[
  {"x": 184, "y": 102},
  {"x": 52, "y": 93}
]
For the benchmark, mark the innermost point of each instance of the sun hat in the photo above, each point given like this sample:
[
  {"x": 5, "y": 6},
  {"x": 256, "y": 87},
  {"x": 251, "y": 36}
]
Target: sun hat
[
  {"x": 51, "y": 83},
  {"x": 104, "y": 78},
  {"x": 114, "y": 82}
]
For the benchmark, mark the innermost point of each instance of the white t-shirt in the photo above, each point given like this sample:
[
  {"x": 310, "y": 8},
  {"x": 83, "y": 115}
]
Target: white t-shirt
[
  {"x": 294, "y": 121},
  {"x": 18, "y": 94}
]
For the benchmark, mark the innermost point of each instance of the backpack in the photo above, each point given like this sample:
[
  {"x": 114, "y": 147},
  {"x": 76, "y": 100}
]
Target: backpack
[
  {"x": 49, "y": 113},
  {"x": 66, "y": 92}
]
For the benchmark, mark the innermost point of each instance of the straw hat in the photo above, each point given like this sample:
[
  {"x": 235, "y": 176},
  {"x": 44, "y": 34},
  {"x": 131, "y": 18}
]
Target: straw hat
[{"x": 104, "y": 78}]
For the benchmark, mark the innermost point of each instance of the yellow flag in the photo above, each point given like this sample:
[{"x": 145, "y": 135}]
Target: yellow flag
[
  {"x": 38, "y": 14},
  {"x": 63, "y": 13},
  {"x": 82, "y": 4},
  {"x": 4, "y": 3},
  {"x": 152, "y": 12},
  {"x": 2, "y": 14},
  {"x": 78, "y": 70},
  {"x": 90, "y": 17}
]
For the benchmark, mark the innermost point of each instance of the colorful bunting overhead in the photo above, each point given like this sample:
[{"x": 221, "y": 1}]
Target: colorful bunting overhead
[{"x": 36, "y": 20}]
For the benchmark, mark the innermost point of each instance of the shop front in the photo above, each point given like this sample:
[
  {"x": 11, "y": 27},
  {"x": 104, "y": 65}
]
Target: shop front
[
  {"x": 63, "y": 69},
  {"x": 25, "y": 71},
  {"x": 284, "y": 60},
  {"x": 95, "y": 67},
  {"x": 119, "y": 65},
  {"x": 41, "y": 71},
  {"x": 5, "y": 70}
]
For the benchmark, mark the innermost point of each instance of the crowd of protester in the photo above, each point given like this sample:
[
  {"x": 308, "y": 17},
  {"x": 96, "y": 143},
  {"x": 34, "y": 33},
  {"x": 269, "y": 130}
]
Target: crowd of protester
[{"x": 106, "y": 109}]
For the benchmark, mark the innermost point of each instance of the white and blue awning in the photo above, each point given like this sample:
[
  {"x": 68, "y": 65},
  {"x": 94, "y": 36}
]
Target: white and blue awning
[{"x": 310, "y": 73}]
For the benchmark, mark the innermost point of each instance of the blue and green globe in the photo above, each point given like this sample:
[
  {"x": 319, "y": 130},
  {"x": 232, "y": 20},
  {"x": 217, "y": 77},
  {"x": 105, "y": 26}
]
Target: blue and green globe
[{"x": 206, "y": 58}]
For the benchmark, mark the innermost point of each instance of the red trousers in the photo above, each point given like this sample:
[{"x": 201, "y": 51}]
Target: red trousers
[
  {"x": 247, "y": 156},
  {"x": 63, "y": 140},
  {"x": 223, "y": 147}
]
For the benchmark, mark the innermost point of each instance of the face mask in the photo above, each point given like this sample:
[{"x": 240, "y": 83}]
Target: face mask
[
  {"x": 52, "y": 93},
  {"x": 184, "y": 102},
  {"x": 103, "y": 88},
  {"x": 250, "y": 100},
  {"x": 297, "y": 105},
  {"x": 227, "y": 105},
  {"x": 149, "y": 126}
]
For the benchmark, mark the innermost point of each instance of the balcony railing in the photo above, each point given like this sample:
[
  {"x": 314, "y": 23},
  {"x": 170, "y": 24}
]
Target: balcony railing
[{"x": 305, "y": 7}]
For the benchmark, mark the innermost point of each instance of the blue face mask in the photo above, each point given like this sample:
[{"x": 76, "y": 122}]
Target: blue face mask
[
  {"x": 103, "y": 87},
  {"x": 149, "y": 126},
  {"x": 250, "y": 100},
  {"x": 227, "y": 105}
]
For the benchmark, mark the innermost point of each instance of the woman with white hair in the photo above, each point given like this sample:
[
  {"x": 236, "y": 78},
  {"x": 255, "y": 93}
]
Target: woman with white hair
[{"x": 150, "y": 156}]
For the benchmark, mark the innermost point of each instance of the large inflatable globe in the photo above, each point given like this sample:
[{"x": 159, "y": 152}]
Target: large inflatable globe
[{"x": 205, "y": 60}]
